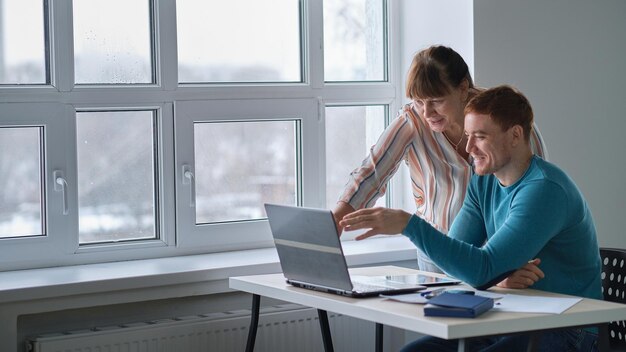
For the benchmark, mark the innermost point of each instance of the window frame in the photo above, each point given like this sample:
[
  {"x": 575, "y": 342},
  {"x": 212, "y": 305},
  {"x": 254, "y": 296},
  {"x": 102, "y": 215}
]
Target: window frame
[
  {"x": 54, "y": 119},
  {"x": 245, "y": 234},
  {"x": 163, "y": 165},
  {"x": 177, "y": 105}
]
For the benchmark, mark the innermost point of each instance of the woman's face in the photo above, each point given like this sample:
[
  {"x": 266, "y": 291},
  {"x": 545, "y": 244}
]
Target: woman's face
[{"x": 441, "y": 112}]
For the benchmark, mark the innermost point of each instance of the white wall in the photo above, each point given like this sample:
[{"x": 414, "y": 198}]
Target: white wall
[
  {"x": 430, "y": 22},
  {"x": 569, "y": 58}
]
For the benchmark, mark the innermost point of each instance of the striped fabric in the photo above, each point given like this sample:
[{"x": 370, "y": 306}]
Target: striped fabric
[{"x": 439, "y": 175}]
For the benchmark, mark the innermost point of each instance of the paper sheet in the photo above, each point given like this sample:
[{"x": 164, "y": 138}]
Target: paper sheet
[
  {"x": 418, "y": 298},
  {"x": 408, "y": 298},
  {"x": 490, "y": 294},
  {"x": 506, "y": 302},
  {"x": 534, "y": 304}
]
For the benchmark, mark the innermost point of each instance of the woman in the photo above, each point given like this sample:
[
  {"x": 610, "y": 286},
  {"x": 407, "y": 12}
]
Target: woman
[{"x": 428, "y": 134}]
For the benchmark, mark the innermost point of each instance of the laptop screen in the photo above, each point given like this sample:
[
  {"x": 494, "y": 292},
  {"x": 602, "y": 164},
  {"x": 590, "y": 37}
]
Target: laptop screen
[{"x": 308, "y": 246}]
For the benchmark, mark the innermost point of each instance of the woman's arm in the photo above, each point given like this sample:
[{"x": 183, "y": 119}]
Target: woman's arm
[
  {"x": 368, "y": 182},
  {"x": 341, "y": 209}
]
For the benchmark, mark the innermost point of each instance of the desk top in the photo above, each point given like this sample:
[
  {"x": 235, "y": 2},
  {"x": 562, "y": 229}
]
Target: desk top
[{"x": 411, "y": 316}]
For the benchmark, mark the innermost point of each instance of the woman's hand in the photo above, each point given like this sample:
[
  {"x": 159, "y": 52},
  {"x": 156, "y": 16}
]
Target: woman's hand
[
  {"x": 525, "y": 276},
  {"x": 341, "y": 209},
  {"x": 380, "y": 221}
]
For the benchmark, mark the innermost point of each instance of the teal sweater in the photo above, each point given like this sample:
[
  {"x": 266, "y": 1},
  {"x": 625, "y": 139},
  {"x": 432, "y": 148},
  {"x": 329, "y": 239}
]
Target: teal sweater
[{"x": 499, "y": 229}]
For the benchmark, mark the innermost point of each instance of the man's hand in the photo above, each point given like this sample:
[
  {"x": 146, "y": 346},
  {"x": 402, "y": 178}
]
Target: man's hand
[
  {"x": 380, "y": 221},
  {"x": 525, "y": 276}
]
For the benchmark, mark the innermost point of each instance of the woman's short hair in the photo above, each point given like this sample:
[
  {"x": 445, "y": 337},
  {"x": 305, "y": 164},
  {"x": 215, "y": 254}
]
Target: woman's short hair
[
  {"x": 435, "y": 71},
  {"x": 505, "y": 105}
]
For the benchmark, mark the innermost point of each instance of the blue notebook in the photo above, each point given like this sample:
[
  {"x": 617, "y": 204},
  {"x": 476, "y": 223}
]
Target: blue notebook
[{"x": 457, "y": 305}]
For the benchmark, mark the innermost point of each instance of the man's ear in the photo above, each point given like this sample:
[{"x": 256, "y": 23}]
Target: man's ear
[{"x": 517, "y": 134}]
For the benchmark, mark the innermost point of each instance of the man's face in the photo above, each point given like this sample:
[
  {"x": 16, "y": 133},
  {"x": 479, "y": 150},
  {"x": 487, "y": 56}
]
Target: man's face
[{"x": 488, "y": 145}]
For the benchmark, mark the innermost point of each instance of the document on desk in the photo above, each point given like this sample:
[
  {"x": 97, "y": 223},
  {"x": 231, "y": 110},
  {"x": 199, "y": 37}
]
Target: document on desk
[
  {"x": 408, "y": 298},
  {"x": 421, "y": 298},
  {"x": 534, "y": 304}
]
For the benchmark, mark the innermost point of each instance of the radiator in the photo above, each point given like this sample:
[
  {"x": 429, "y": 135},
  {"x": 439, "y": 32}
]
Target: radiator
[{"x": 281, "y": 328}]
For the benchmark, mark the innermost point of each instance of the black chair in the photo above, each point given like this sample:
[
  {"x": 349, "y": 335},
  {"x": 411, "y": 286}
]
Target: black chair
[{"x": 614, "y": 290}]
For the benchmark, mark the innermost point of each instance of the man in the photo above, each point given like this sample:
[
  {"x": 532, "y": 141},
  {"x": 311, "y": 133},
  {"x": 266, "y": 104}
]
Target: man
[{"x": 518, "y": 207}]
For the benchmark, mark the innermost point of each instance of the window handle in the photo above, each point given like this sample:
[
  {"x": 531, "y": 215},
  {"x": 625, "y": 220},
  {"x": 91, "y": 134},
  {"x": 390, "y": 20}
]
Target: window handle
[
  {"x": 189, "y": 179},
  {"x": 60, "y": 185}
]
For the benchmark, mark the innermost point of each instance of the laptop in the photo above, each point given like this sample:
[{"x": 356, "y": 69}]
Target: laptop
[{"x": 311, "y": 256}]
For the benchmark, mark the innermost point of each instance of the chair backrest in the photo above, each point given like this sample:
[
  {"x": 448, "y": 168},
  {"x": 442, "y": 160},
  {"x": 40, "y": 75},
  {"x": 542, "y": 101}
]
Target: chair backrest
[{"x": 614, "y": 290}]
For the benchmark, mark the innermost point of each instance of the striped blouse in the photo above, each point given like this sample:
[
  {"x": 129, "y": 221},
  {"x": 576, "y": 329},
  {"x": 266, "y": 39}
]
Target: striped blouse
[{"x": 439, "y": 176}]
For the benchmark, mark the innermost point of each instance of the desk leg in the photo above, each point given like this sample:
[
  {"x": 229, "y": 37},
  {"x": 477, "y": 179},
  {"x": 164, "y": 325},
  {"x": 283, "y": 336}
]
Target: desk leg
[
  {"x": 325, "y": 327},
  {"x": 532, "y": 341},
  {"x": 379, "y": 337},
  {"x": 254, "y": 322},
  {"x": 461, "y": 347},
  {"x": 603, "y": 338}
]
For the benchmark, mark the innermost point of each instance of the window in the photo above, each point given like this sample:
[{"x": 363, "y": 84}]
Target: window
[
  {"x": 21, "y": 209},
  {"x": 116, "y": 175},
  {"x": 23, "y": 44},
  {"x": 351, "y": 130},
  {"x": 242, "y": 164},
  {"x": 236, "y": 156},
  {"x": 354, "y": 40},
  {"x": 112, "y": 41},
  {"x": 167, "y": 124},
  {"x": 239, "y": 41},
  {"x": 34, "y": 144}
]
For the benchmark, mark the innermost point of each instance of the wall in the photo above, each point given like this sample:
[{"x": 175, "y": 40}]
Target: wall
[
  {"x": 427, "y": 22},
  {"x": 568, "y": 57}
]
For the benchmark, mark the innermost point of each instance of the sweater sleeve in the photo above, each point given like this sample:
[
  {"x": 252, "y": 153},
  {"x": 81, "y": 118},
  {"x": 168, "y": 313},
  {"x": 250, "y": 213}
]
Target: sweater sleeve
[
  {"x": 368, "y": 182},
  {"x": 536, "y": 214}
]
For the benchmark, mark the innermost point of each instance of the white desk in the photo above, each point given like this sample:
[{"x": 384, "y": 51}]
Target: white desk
[{"x": 411, "y": 316}]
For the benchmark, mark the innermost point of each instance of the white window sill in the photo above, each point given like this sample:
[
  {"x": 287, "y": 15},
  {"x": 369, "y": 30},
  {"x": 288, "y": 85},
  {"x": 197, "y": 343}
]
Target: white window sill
[{"x": 23, "y": 285}]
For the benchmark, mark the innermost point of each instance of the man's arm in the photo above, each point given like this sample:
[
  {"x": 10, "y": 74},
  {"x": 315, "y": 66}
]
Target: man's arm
[
  {"x": 525, "y": 276},
  {"x": 468, "y": 228},
  {"x": 535, "y": 216}
]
